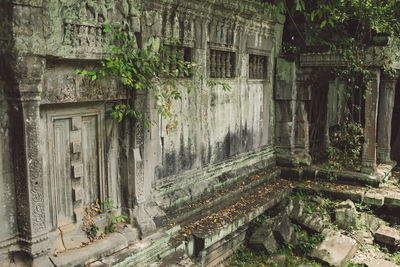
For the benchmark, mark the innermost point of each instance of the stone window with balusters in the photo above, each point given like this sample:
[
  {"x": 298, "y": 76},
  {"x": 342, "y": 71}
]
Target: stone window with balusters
[
  {"x": 257, "y": 67},
  {"x": 222, "y": 64}
]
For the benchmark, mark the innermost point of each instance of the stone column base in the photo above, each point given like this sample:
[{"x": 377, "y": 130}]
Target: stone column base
[
  {"x": 368, "y": 166},
  {"x": 146, "y": 216},
  {"x": 383, "y": 155}
]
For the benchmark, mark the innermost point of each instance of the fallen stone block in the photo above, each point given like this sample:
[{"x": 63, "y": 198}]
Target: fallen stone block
[
  {"x": 335, "y": 249},
  {"x": 296, "y": 208},
  {"x": 345, "y": 215},
  {"x": 380, "y": 263},
  {"x": 370, "y": 221},
  {"x": 313, "y": 222},
  {"x": 388, "y": 236},
  {"x": 262, "y": 239},
  {"x": 284, "y": 230}
]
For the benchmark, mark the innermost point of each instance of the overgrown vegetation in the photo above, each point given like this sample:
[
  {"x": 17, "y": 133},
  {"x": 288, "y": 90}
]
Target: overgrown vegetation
[
  {"x": 355, "y": 30},
  {"x": 113, "y": 220},
  {"x": 345, "y": 146}
]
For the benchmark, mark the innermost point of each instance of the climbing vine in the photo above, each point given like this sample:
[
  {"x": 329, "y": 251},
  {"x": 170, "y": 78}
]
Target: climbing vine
[{"x": 154, "y": 68}]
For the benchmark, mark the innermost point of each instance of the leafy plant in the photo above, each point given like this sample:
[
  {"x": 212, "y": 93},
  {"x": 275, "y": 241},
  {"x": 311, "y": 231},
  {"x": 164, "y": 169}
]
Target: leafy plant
[
  {"x": 92, "y": 231},
  {"x": 345, "y": 145},
  {"x": 113, "y": 219}
]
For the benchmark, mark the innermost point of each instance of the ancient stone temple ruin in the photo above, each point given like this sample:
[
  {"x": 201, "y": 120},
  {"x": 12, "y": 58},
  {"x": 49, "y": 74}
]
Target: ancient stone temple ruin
[{"x": 62, "y": 156}]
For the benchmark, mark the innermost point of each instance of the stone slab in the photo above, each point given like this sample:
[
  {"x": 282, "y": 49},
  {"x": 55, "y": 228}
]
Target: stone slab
[
  {"x": 380, "y": 263},
  {"x": 335, "y": 249},
  {"x": 374, "y": 197},
  {"x": 388, "y": 236}
]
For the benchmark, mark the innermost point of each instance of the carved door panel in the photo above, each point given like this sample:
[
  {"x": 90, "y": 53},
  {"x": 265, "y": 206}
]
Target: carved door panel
[
  {"x": 90, "y": 158},
  {"x": 62, "y": 172},
  {"x": 75, "y": 159}
]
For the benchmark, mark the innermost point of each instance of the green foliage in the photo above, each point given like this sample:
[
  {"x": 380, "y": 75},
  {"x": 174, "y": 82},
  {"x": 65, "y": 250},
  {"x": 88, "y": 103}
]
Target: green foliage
[
  {"x": 155, "y": 68},
  {"x": 113, "y": 219},
  {"x": 345, "y": 145},
  {"x": 92, "y": 231},
  {"x": 395, "y": 257},
  {"x": 305, "y": 243}
]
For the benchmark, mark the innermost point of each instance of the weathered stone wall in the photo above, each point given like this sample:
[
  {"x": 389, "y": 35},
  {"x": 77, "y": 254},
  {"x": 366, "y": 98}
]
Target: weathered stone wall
[{"x": 60, "y": 149}]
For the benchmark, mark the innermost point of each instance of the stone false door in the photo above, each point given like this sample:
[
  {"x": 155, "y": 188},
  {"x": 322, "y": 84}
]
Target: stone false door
[
  {"x": 387, "y": 90},
  {"x": 75, "y": 161}
]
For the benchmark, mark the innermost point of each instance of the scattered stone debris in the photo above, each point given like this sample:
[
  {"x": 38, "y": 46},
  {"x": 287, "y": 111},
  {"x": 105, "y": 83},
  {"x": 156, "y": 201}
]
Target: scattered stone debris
[
  {"x": 272, "y": 234},
  {"x": 380, "y": 263},
  {"x": 335, "y": 249}
]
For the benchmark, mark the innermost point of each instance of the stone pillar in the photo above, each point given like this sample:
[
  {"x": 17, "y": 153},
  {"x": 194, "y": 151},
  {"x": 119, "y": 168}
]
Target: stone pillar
[
  {"x": 371, "y": 111},
  {"x": 303, "y": 96},
  {"x": 140, "y": 201},
  {"x": 27, "y": 154},
  {"x": 284, "y": 96},
  {"x": 387, "y": 90},
  {"x": 292, "y": 128}
]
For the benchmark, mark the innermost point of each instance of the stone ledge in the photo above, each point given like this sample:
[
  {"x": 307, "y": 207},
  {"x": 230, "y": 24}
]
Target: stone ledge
[
  {"x": 212, "y": 204},
  {"x": 171, "y": 194},
  {"x": 312, "y": 173}
]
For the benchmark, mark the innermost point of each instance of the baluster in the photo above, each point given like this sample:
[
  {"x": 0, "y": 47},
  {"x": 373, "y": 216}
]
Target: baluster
[
  {"x": 223, "y": 64},
  {"x": 228, "y": 65},
  {"x": 261, "y": 68},
  {"x": 255, "y": 63},
  {"x": 182, "y": 59},
  {"x": 219, "y": 65},
  {"x": 213, "y": 63},
  {"x": 251, "y": 62}
]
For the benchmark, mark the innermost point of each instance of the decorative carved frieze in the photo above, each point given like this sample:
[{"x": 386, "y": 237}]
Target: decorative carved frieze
[
  {"x": 222, "y": 64},
  {"x": 77, "y": 35}
]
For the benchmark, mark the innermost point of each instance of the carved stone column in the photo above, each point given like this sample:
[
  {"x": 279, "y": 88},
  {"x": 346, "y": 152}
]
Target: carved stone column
[
  {"x": 371, "y": 111},
  {"x": 387, "y": 90},
  {"x": 27, "y": 154}
]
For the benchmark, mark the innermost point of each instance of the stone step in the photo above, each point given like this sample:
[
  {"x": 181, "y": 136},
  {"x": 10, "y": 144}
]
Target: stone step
[
  {"x": 206, "y": 235},
  {"x": 176, "y": 259},
  {"x": 142, "y": 253}
]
